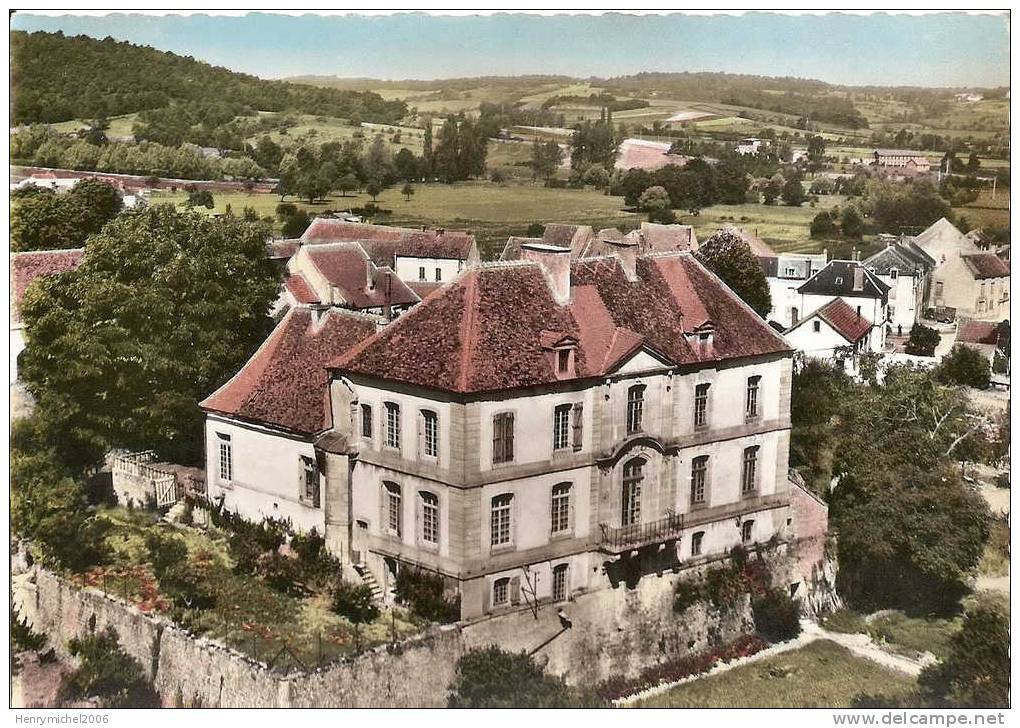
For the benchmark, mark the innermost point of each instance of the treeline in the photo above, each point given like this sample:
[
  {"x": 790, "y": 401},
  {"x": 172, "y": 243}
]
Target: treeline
[
  {"x": 831, "y": 109},
  {"x": 58, "y": 78},
  {"x": 606, "y": 100},
  {"x": 42, "y": 147},
  {"x": 223, "y": 125},
  {"x": 694, "y": 186},
  {"x": 497, "y": 116}
]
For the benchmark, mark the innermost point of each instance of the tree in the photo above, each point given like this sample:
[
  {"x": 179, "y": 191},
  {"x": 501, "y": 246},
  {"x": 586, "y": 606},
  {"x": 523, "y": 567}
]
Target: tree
[
  {"x": 728, "y": 256},
  {"x": 493, "y": 678},
  {"x": 923, "y": 340},
  {"x": 973, "y": 163},
  {"x": 42, "y": 219},
  {"x": 295, "y": 225},
  {"x": 823, "y": 226},
  {"x": 594, "y": 143},
  {"x": 793, "y": 192},
  {"x": 596, "y": 176},
  {"x": 406, "y": 165},
  {"x": 772, "y": 189},
  {"x": 545, "y": 159},
  {"x": 654, "y": 199},
  {"x": 964, "y": 366},
  {"x": 165, "y": 307},
  {"x": 355, "y": 602},
  {"x": 268, "y": 154},
  {"x": 347, "y": 183},
  {"x": 200, "y": 198},
  {"x": 407, "y": 190},
  {"x": 898, "y": 207},
  {"x": 816, "y": 148},
  {"x": 975, "y": 673},
  {"x": 851, "y": 224},
  {"x": 105, "y": 671},
  {"x": 374, "y": 188},
  {"x": 633, "y": 183},
  {"x": 96, "y": 201}
]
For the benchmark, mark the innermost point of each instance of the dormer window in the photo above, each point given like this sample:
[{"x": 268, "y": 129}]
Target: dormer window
[
  {"x": 563, "y": 361},
  {"x": 561, "y": 350},
  {"x": 894, "y": 274}
]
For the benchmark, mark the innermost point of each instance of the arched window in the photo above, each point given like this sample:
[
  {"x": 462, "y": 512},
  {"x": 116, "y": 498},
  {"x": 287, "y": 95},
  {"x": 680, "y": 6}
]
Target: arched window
[
  {"x": 429, "y": 517},
  {"x": 633, "y": 475},
  {"x": 749, "y": 471},
  {"x": 392, "y": 506},
  {"x": 635, "y": 408},
  {"x": 500, "y": 519}
]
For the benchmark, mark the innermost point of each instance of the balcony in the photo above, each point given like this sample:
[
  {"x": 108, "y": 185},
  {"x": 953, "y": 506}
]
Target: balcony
[{"x": 615, "y": 540}]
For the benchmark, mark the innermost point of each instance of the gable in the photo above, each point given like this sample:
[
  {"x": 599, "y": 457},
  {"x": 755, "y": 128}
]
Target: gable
[{"x": 642, "y": 360}]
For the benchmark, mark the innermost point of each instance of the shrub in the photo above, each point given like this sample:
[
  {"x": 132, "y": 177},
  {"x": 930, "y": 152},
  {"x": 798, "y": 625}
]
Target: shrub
[
  {"x": 423, "y": 593},
  {"x": 922, "y": 341},
  {"x": 493, "y": 678},
  {"x": 964, "y": 366},
  {"x": 189, "y": 586},
  {"x": 22, "y": 637},
  {"x": 165, "y": 552},
  {"x": 107, "y": 672},
  {"x": 846, "y": 621},
  {"x": 280, "y": 572},
  {"x": 355, "y": 602},
  {"x": 776, "y": 616},
  {"x": 687, "y": 594}
]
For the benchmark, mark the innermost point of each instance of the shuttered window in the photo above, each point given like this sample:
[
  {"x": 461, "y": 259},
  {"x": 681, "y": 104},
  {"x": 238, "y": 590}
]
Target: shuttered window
[
  {"x": 560, "y": 508},
  {"x": 561, "y": 427}
]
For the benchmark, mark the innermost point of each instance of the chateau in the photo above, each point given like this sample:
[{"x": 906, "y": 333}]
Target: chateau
[{"x": 531, "y": 431}]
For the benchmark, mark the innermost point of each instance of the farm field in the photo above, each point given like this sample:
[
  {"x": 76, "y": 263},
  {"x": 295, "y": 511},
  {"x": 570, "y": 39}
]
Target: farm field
[
  {"x": 493, "y": 212},
  {"x": 985, "y": 211},
  {"x": 821, "y": 674}
]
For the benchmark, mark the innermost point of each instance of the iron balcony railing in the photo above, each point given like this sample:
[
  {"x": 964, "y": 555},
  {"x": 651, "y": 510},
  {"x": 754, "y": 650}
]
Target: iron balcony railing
[{"x": 621, "y": 538}]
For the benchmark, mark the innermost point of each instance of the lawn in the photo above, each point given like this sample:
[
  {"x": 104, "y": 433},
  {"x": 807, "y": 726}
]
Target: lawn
[
  {"x": 283, "y": 629},
  {"x": 820, "y": 675}
]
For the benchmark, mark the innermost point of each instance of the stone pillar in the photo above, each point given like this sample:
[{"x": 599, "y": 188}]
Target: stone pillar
[{"x": 336, "y": 505}]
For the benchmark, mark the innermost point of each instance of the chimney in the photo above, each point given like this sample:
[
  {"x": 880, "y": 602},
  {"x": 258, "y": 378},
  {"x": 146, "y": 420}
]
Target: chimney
[
  {"x": 369, "y": 275},
  {"x": 555, "y": 262},
  {"x": 627, "y": 251},
  {"x": 858, "y": 278}
]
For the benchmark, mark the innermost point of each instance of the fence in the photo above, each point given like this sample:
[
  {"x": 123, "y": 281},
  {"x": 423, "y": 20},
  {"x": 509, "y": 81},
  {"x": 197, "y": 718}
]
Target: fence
[{"x": 134, "y": 478}]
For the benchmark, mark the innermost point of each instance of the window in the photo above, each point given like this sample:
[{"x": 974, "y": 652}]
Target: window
[
  {"x": 578, "y": 425},
  {"x": 753, "y": 384},
  {"x": 816, "y": 326},
  {"x": 696, "y": 540},
  {"x": 393, "y": 425},
  {"x": 501, "y": 592},
  {"x": 366, "y": 421},
  {"x": 563, "y": 361},
  {"x": 701, "y": 405},
  {"x": 310, "y": 481},
  {"x": 393, "y": 511},
  {"x": 635, "y": 408},
  {"x": 439, "y": 274},
  {"x": 794, "y": 316},
  {"x": 560, "y": 508},
  {"x": 699, "y": 474},
  {"x": 559, "y": 582},
  {"x": 858, "y": 312},
  {"x": 894, "y": 274},
  {"x": 503, "y": 437},
  {"x": 226, "y": 459},
  {"x": 633, "y": 475},
  {"x": 749, "y": 472},
  {"x": 938, "y": 290},
  {"x": 430, "y": 434},
  {"x": 747, "y": 531},
  {"x": 429, "y": 517},
  {"x": 421, "y": 273},
  {"x": 499, "y": 520},
  {"x": 561, "y": 427}
]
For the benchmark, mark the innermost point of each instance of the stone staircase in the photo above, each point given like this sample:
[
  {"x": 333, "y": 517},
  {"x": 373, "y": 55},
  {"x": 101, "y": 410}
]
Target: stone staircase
[{"x": 368, "y": 579}]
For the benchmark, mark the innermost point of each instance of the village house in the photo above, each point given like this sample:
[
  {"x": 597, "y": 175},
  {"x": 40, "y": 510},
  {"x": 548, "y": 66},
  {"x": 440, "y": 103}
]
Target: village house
[
  {"x": 906, "y": 269},
  {"x": 983, "y": 337},
  {"x": 584, "y": 242},
  {"x": 975, "y": 285},
  {"x": 750, "y": 146},
  {"x": 901, "y": 162},
  {"x": 863, "y": 291},
  {"x": 26, "y": 268},
  {"x": 531, "y": 431},
  {"x": 835, "y": 332},
  {"x": 942, "y": 240}
]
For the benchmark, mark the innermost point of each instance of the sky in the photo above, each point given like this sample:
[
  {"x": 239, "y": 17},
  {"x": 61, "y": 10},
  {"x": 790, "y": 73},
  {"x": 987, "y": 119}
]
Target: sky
[{"x": 944, "y": 49}]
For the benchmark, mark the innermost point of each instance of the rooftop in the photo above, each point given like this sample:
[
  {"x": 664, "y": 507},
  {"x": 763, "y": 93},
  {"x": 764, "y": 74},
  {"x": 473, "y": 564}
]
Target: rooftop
[
  {"x": 490, "y": 329},
  {"x": 986, "y": 265},
  {"x": 844, "y": 319},
  {"x": 285, "y": 383},
  {"x": 978, "y": 332},
  {"x": 344, "y": 266},
  {"x": 28, "y": 266},
  {"x": 845, "y": 278},
  {"x": 383, "y": 242}
]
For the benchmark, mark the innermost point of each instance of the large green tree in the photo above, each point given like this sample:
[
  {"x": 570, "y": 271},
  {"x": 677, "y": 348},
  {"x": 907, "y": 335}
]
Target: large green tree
[
  {"x": 42, "y": 219},
  {"x": 165, "y": 306},
  {"x": 727, "y": 255}
]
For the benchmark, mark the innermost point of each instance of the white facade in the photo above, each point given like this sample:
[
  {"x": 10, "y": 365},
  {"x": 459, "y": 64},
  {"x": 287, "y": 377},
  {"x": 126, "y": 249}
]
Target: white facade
[
  {"x": 906, "y": 299},
  {"x": 432, "y": 270},
  {"x": 259, "y": 472},
  {"x": 870, "y": 308},
  {"x": 816, "y": 339}
]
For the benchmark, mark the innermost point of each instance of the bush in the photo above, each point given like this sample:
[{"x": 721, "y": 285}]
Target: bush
[
  {"x": 846, "y": 621},
  {"x": 964, "y": 366},
  {"x": 355, "y": 602},
  {"x": 282, "y": 573},
  {"x": 188, "y": 584},
  {"x": 107, "y": 672},
  {"x": 165, "y": 552},
  {"x": 922, "y": 341},
  {"x": 423, "y": 593},
  {"x": 776, "y": 616},
  {"x": 493, "y": 678},
  {"x": 23, "y": 639}
]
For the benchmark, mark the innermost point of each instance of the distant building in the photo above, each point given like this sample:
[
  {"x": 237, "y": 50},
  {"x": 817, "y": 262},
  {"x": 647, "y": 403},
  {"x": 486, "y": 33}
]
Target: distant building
[
  {"x": 901, "y": 162},
  {"x": 26, "y": 268},
  {"x": 906, "y": 269},
  {"x": 751, "y": 145},
  {"x": 969, "y": 98},
  {"x": 942, "y": 240}
]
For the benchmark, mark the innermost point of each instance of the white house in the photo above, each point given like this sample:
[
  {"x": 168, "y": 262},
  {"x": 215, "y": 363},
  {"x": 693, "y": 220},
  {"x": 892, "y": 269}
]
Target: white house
[
  {"x": 906, "y": 269},
  {"x": 836, "y": 332},
  {"x": 861, "y": 289},
  {"x": 751, "y": 145}
]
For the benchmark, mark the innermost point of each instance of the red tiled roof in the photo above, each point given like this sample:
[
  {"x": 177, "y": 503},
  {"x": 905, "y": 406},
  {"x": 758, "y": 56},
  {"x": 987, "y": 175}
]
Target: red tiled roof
[
  {"x": 328, "y": 229},
  {"x": 843, "y": 319},
  {"x": 489, "y": 329},
  {"x": 28, "y": 266},
  {"x": 282, "y": 249},
  {"x": 382, "y": 243},
  {"x": 299, "y": 287},
  {"x": 434, "y": 244},
  {"x": 978, "y": 332},
  {"x": 344, "y": 266},
  {"x": 986, "y": 265},
  {"x": 424, "y": 288},
  {"x": 759, "y": 247},
  {"x": 286, "y": 383}
]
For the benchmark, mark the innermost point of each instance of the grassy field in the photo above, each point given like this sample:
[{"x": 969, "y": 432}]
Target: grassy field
[
  {"x": 494, "y": 212},
  {"x": 985, "y": 211},
  {"x": 820, "y": 675}
]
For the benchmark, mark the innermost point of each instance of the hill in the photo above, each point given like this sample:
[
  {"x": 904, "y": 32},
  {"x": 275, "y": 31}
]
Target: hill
[{"x": 58, "y": 78}]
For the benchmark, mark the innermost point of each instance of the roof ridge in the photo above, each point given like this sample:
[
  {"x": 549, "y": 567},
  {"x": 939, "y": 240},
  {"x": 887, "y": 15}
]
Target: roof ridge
[
  {"x": 466, "y": 328},
  {"x": 15, "y": 253}
]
